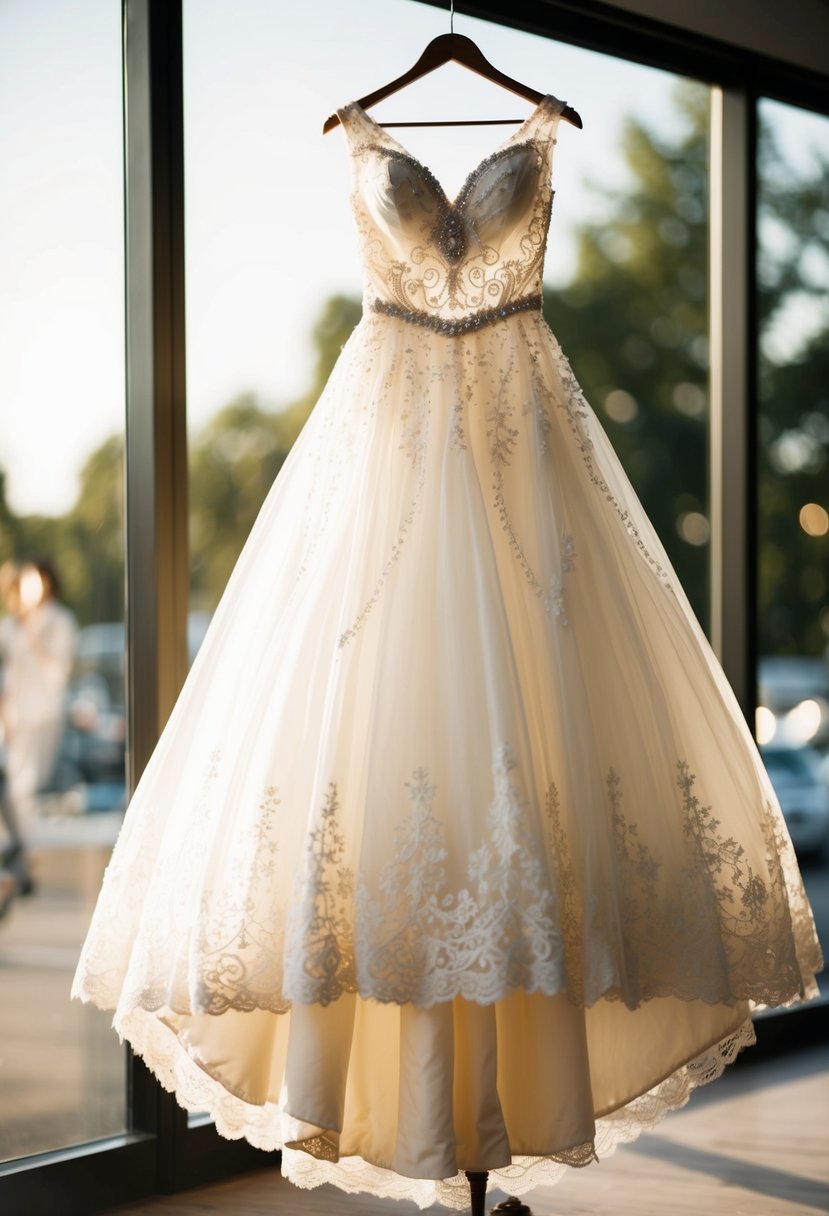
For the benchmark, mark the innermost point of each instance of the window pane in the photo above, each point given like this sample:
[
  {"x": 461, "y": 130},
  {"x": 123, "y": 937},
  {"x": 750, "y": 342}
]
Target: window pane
[
  {"x": 274, "y": 281},
  {"x": 793, "y": 481},
  {"x": 62, "y": 1073}
]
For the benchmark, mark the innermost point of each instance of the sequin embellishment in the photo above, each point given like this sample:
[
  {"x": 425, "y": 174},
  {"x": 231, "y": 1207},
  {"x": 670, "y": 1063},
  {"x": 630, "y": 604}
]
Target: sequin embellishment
[{"x": 464, "y": 325}]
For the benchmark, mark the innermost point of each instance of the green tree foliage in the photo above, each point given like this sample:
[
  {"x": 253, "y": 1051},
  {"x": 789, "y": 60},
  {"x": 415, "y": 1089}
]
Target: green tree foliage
[
  {"x": 236, "y": 457},
  {"x": 9, "y": 526},
  {"x": 95, "y": 530},
  {"x": 633, "y": 324},
  {"x": 793, "y": 273},
  {"x": 233, "y": 462},
  {"x": 338, "y": 317},
  {"x": 86, "y": 543},
  {"x": 793, "y": 589}
]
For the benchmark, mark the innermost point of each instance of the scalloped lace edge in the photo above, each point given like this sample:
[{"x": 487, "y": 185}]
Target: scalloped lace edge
[{"x": 197, "y": 1091}]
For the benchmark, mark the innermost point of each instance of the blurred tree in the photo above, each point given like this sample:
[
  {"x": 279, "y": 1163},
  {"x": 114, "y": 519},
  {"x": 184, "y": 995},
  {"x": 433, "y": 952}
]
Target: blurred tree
[
  {"x": 233, "y": 461},
  {"x": 633, "y": 324},
  {"x": 336, "y": 321},
  {"x": 9, "y": 526},
  {"x": 793, "y": 280},
  {"x": 86, "y": 544},
  {"x": 236, "y": 457},
  {"x": 93, "y": 565}
]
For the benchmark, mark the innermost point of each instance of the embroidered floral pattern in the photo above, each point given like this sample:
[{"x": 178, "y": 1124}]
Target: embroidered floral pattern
[
  {"x": 318, "y": 1147},
  {"x": 753, "y": 910},
  {"x": 430, "y": 943},
  {"x": 577, "y": 412},
  {"x": 543, "y": 423},
  {"x": 554, "y": 599},
  {"x": 568, "y": 909},
  {"x": 239, "y": 954},
  {"x": 414, "y": 416},
  {"x": 240, "y": 943},
  {"x": 503, "y": 436},
  {"x": 453, "y": 265},
  {"x": 457, "y": 439},
  {"x": 320, "y": 963},
  {"x": 699, "y": 922},
  {"x": 436, "y": 269}
]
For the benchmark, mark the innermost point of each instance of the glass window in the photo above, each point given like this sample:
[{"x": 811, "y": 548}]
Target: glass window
[
  {"x": 62, "y": 1071},
  {"x": 273, "y": 289},
  {"x": 273, "y": 277},
  {"x": 793, "y": 478}
]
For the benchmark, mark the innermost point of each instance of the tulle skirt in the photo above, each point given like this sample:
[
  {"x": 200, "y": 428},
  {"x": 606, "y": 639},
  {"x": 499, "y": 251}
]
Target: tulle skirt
[{"x": 456, "y": 851}]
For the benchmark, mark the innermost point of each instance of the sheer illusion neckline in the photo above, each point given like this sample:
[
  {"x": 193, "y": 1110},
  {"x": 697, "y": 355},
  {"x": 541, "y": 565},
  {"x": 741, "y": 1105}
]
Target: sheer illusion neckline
[{"x": 512, "y": 141}]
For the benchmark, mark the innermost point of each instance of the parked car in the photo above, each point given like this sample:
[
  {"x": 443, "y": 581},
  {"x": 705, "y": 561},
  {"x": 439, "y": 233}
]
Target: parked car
[
  {"x": 92, "y": 751},
  {"x": 798, "y": 779},
  {"x": 795, "y": 690}
]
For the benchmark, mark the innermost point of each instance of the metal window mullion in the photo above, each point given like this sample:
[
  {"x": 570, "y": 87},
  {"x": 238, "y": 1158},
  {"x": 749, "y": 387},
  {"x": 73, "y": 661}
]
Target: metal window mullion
[
  {"x": 732, "y": 335},
  {"x": 157, "y": 556},
  {"x": 157, "y": 564}
]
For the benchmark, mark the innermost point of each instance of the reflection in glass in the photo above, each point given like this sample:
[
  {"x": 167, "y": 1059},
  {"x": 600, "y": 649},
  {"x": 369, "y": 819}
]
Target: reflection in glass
[
  {"x": 37, "y": 644},
  {"x": 62, "y": 723},
  {"x": 793, "y": 473}
]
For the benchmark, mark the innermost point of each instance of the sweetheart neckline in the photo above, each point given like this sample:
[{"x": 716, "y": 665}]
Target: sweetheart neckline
[{"x": 454, "y": 204}]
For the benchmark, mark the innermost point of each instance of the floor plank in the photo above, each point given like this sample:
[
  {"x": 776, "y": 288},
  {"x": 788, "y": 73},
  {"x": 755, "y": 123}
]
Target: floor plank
[{"x": 754, "y": 1143}]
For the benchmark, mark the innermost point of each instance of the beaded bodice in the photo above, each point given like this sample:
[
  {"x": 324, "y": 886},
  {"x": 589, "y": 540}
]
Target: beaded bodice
[{"x": 453, "y": 265}]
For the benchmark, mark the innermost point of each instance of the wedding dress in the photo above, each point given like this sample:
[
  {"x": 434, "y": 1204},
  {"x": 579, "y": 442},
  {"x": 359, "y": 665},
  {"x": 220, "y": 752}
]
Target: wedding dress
[{"x": 456, "y": 851}]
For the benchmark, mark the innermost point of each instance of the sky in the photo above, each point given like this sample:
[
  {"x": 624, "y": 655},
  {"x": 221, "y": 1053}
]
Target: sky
[{"x": 269, "y": 234}]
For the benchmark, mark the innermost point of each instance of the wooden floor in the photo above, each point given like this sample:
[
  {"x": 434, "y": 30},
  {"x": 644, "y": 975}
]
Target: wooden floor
[{"x": 756, "y": 1142}]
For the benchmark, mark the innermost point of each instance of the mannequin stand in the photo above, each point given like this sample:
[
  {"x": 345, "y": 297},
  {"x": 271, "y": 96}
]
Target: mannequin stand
[{"x": 477, "y": 1189}]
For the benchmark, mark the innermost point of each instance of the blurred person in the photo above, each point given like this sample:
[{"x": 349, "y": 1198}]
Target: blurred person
[
  {"x": 37, "y": 646},
  {"x": 9, "y": 585}
]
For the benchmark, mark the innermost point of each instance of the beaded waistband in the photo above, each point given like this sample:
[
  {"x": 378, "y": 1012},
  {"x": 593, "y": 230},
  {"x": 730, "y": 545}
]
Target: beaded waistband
[{"x": 443, "y": 325}]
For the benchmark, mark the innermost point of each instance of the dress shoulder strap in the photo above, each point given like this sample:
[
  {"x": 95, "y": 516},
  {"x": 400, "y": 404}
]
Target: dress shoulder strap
[
  {"x": 356, "y": 123},
  {"x": 547, "y": 115}
]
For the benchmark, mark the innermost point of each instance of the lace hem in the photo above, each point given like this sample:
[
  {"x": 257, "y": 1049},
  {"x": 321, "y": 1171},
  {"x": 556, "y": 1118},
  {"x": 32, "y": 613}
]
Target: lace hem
[
  {"x": 196, "y": 1091},
  {"x": 761, "y": 998},
  {"x": 728, "y": 927}
]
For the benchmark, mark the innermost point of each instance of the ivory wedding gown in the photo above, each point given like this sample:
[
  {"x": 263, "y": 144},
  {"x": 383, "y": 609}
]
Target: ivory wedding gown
[{"x": 456, "y": 851}]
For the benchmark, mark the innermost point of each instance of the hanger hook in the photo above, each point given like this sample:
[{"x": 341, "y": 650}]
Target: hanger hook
[{"x": 451, "y": 16}]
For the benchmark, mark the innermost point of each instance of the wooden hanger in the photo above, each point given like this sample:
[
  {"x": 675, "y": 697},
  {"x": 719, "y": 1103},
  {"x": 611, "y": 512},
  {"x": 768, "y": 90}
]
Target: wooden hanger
[{"x": 462, "y": 50}]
